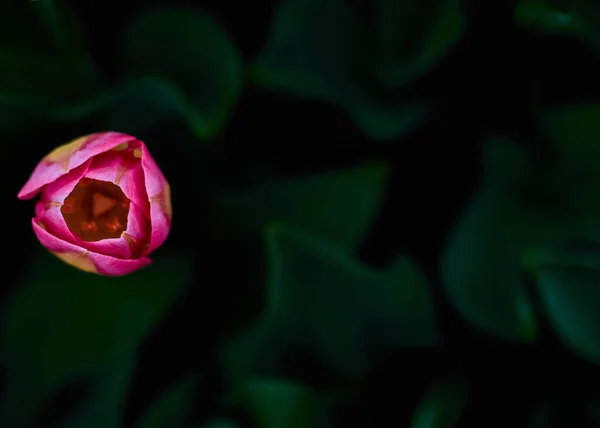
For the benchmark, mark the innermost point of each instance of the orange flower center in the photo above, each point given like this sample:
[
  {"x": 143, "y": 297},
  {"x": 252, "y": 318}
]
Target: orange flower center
[{"x": 96, "y": 210}]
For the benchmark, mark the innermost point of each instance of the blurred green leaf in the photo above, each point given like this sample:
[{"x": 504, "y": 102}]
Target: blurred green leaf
[
  {"x": 61, "y": 25},
  {"x": 172, "y": 408},
  {"x": 414, "y": 35},
  {"x": 140, "y": 105},
  {"x": 562, "y": 407},
  {"x": 44, "y": 80},
  {"x": 63, "y": 324},
  {"x": 16, "y": 116},
  {"x": 18, "y": 27},
  {"x": 552, "y": 16},
  {"x": 442, "y": 406},
  {"x": 320, "y": 49},
  {"x": 481, "y": 267},
  {"x": 41, "y": 25},
  {"x": 541, "y": 416},
  {"x": 593, "y": 407},
  {"x": 189, "y": 50},
  {"x": 103, "y": 408},
  {"x": 574, "y": 132},
  {"x": 280, "y": 404},
  {"x": 570, "y": 298},
  {"x": 348, "y": 315},
  {"x": 579, "y": 19},
  {"x": 568, "y": 280},
  {"x": 136, "y": 106},
  {"x": 338, "y": 205},
  {"x": 221, "y": 423},
  {"x": 44, "y": 63},
  {"x": 520, "y": 214}
]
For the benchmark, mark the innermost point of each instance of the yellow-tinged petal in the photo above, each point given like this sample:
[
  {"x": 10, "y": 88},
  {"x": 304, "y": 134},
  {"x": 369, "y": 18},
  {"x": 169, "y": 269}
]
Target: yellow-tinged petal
[
  {"x": 80, "y": 260},
  {"x": 62, "y": 154}
]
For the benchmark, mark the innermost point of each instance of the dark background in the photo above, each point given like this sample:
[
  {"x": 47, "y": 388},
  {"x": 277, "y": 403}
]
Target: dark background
[{"x": 274, "y": 171}]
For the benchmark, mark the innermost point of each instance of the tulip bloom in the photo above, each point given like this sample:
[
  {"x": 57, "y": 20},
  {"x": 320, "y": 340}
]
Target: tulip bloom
[{"x": 105, "y": 205}]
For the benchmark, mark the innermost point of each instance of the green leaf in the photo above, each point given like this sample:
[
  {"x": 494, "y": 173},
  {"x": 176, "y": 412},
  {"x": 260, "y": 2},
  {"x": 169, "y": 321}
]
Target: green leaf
[
  {"x": 44, "y": 64},
  {"x": 578, "y": 19},
  {"x": 562, "y": 407},
  {"x": 522, "y": 212},
  {"x": 221, "y": 423},
  {"x": 442, "y": 406},
  {"x": 136, "y": 106},
  {"x": 189, "y": 50},
  {"x": 63, "y": 324},
  {"x": 140, "y": 105},
  {"x": 552, "y": 16},
  {"x": 481, "y": 267},
  {"x": 172, "y": 408},
  {"x": 321, "y": 50},
  {"x": 338, "y": 205},
  {"x": 62, "y": 82},
  {"x": 16, "y": 116},
  {"x": 357, "y": 314},
  {"x": 568, "y": 279},
  {"x": 593, "y": 407},
  {"x": 103, "y": 408},
  {"x": 29, "y": 98},
  {"x": 569, "y": 297},
  {"x": 61, "y": 25},
  {"x": 415, "y": 35},
  {"x": 277, "y": 404},
  {"x": 574, "y": 132},
  {"x": 43, "y": 25}
]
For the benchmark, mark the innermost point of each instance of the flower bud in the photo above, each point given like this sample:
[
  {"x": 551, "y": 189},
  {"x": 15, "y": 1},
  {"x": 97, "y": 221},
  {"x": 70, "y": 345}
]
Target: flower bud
[{"x": 105, "y": 204}]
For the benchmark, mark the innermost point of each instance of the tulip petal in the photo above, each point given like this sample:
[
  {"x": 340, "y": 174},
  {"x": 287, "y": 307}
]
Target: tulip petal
[
  {"x": 58, "y": 190},
  {"x": 132, "y": 244},
  {"x": 69, "y": 253},
  {"x": 110, "y": 266},
  {"x": 159, "y": 194},
  {"x": 68, "y": 157},
  {"x": 53, "y": 196},
  {"x": 51, "y": 218},
  {"x": 86, "y": 260},
  {"x": 40, "y": 209},
  {"x": 124, "y": 171}
]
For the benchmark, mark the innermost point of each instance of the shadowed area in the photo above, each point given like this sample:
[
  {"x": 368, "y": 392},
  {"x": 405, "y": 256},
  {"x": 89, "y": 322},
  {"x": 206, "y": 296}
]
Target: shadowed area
[{"x": 96, "y": 210}]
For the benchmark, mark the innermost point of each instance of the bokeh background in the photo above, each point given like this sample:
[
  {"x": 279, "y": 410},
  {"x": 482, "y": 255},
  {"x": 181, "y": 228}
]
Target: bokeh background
[{"x": 386, "y": 213}]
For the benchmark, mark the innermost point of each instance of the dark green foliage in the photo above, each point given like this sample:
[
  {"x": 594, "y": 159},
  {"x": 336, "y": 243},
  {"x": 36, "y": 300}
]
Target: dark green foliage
[
  {"x": 577, "y": 19},
  {"x": 337, "y": 205},
  {"x": 62, "y": 325},
  {"x": 308, "y": 282},
  {"x": 323, "y": 50},
  {"x": 171, "y": 409},
  {"x": 190, "y": 52}
]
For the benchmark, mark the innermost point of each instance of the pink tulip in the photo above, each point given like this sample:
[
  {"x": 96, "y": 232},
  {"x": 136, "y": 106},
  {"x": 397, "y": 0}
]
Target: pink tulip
[{"x": 105, "y": 205}]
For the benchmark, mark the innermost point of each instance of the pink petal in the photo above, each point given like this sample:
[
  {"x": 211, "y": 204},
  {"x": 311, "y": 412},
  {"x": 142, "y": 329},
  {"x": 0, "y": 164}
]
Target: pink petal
[
  {"x": 40, "y": 209},
  {"x": 68, "y": 157},
  {"x": 84, "y": 259},
  {"x": 59, "y": 189},
  {"x": 161, "y": 225},
  {"x": 51, "y": 218},
  {"x": 110, "y": 266},
  {"x": 131, "y": 244},
  {"x": 53, "y": 196},
  {"x": 159, "y": 193},
  {"x": 124, "y": 171}
]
